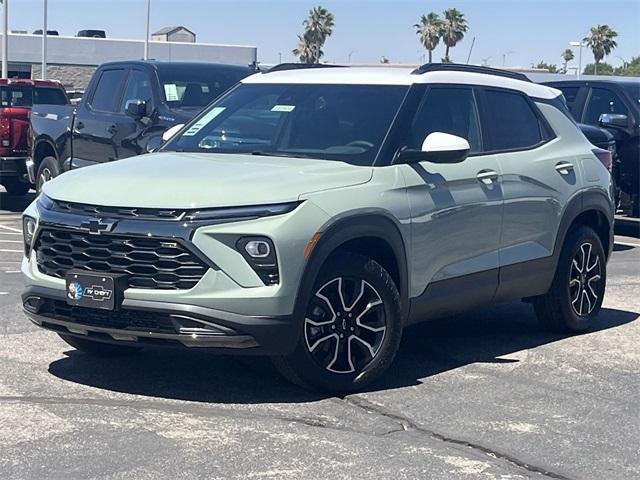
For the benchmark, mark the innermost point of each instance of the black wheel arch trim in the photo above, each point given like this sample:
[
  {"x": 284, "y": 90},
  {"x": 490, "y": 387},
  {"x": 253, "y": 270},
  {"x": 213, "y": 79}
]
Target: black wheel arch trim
[{"x": 379, "y": 225}]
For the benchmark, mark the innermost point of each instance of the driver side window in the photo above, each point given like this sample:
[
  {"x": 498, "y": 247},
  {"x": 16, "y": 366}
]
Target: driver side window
[
  {"x": 138, "y": 88},
  {"x": 448, "y": 110}
]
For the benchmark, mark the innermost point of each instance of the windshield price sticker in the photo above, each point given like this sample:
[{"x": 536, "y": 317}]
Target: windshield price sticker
[
  {"x": 171, "y": 92},
  {"x": 283, "y": 108},
  {"x": 196, "y": 127}
]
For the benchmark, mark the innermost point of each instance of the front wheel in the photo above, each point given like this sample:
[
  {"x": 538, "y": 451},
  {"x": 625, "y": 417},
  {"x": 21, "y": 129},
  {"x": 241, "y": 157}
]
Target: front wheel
[
  {"x": 351, "y": 329},
  {"x": 575, "y": 297},
  {"x": 47, "y": 170}
]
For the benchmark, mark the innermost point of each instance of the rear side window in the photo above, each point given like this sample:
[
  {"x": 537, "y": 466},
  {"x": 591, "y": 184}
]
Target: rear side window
[
  {"x": 510, "y": 122},
  {"x": 107, "y": 91},
  {"x": 570, "y": 95},
  {"x": 49, "y": 96}
]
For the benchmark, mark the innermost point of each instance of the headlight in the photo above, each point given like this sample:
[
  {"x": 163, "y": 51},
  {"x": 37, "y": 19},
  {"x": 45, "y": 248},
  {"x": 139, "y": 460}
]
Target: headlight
[
  {"x": 260, "y": 254},
  {"x": 28, "y": 233}
]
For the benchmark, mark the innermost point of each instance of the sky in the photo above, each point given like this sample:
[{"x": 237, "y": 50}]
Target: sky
[{"x": 516, "y": 32}]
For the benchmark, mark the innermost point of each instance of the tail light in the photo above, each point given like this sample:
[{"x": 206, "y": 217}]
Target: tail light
[
  {"x": 5, "y": 131},
  {"x": 605, "y": 157}
]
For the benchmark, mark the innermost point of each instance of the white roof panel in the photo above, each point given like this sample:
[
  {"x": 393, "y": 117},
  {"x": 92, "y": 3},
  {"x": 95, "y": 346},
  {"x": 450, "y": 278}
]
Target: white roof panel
[{"x": 397, "y": 76}]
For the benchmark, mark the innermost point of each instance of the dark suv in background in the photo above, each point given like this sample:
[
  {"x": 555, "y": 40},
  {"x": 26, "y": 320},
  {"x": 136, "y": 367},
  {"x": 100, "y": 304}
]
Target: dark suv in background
[{"x": 612, "y": 103}]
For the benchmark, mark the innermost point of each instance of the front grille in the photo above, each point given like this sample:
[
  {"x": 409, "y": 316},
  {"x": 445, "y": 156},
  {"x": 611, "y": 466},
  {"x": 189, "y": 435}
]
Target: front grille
[
  {"x": 119, "y": 212},
  {"x": 148, "y": 262},
  {"x": 138, "y": 320}
]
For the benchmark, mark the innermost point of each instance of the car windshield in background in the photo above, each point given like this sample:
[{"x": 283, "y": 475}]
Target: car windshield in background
[
  {"x": 26, "y": 96},
  {"x": 332, "y": 122},
  {"x": 633, "y": 90},
  {"x": 197, "y": 87}
]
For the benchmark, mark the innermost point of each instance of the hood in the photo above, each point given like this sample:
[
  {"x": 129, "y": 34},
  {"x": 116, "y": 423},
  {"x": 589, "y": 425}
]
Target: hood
[{"x": 201, "y": 180}]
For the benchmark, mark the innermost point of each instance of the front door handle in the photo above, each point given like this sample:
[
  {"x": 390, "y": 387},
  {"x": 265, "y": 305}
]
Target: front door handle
[
  {"x": 487, "y": 176},
  {"x": 112, "y": 129},
  {"x": 79, "y": 125},
  {"x": 564, "y": 168}
]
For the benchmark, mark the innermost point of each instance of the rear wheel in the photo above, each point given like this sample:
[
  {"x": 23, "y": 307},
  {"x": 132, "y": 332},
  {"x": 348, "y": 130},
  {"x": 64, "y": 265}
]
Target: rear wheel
[
  {"x": 98, "y": 348},
  {"x": 351, "y": 330},
  {"x": 16, "y": 187},
  {"x": 575, "y": 297},
  {"x": 47, "y": 170}
]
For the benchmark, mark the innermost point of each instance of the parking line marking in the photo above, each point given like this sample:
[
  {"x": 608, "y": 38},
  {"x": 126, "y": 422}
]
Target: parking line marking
[
  {"x": 10, "y": 251},
  {"x": 10, "y": 241},
  {"x": 12, "y": 271},
  {"x": 11, "y": 229},
  {"x": 627, "y": 244},
  {"x": 4, "y": 293}
]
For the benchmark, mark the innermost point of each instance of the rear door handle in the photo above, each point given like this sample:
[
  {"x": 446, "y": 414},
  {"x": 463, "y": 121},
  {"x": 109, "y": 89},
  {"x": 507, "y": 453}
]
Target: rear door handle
[
  {"x": 564, "y": 168},
  {"x": 487, "y": 176},
  {"x": 112, "y": 129}
]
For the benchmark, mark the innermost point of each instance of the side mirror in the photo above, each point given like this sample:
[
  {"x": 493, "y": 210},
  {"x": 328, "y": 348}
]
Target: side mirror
[
  {"x": 613, "y": 120},
  {"x": 171, "y": 131},
  {"x": 136, "y": 108},
  {"x": 438, "y": 147}
]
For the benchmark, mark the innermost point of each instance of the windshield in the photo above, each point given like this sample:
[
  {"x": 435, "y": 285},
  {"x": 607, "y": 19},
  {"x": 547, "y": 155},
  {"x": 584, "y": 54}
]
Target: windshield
[
  {"x": 331, "y": 122},
  {"x": 190, "y": 87},
  {"x": 633, "y": 90}
]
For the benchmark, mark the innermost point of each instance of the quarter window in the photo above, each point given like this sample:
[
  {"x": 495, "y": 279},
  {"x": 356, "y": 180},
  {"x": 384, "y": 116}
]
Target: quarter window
[
  {"x": 448, "y": 110},
  {"x": 603, "y": 101},
  {"x": 510, "y": 121},
  {"x": 570, "y": 95},
  {"x": 107, "y": 90}
]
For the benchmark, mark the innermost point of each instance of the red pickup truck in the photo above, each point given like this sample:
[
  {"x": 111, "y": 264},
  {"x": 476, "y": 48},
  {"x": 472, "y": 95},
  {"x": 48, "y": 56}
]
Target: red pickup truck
[{"x": 16, "y": 98}]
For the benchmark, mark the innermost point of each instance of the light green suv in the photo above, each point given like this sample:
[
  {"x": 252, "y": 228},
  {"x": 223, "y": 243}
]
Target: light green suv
[{"x": 311, "y": 214}]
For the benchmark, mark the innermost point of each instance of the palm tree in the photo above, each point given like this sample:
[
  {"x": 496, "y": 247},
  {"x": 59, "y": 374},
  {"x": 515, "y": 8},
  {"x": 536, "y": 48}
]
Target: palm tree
[
  {"x": 567, "y": 56},
  {"x": 601, "y": 41},
  {"x": 318, "y": 26},
  {"x": 453, "y": 29},
  {"x": 430, "y": 31}
]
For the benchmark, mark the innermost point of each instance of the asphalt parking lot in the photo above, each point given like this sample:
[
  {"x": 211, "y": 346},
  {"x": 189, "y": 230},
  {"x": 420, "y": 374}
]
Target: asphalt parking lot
[{"x": 483, "y": 395}]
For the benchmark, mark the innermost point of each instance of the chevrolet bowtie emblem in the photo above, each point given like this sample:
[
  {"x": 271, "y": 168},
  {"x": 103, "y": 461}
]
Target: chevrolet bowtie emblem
[{"x": 96, "y": 226}]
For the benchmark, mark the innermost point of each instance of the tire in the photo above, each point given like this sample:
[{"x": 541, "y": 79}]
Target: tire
[
  {"x": 16, "y": 188},
  {"x": 572, "y": 303},
  {"x": 98, "y": 348},
  {"x": 47, "y": 170},
  {"x": 351, "y": 329}
]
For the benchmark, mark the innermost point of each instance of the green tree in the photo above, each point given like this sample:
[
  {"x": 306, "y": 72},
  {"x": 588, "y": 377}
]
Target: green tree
[
  {"x": 454, "y": 26},
  {"x": 430, "y": 31},
  {"x": 384, "y": 60},
  {"x": 318, "y": 26},
  {"x": 598, "y": 69},
  {"x": 629, "y": 69},
  {"x": 547, "y": 66},
  {"x": 567, "y": 56},
  {"x": 601, "y": 42}
]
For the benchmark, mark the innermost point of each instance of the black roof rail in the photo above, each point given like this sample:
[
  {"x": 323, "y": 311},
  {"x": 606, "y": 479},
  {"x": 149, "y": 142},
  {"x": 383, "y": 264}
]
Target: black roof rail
[
  {"x": 299, "y": 66},
  {"x": 458, "y": 67}
]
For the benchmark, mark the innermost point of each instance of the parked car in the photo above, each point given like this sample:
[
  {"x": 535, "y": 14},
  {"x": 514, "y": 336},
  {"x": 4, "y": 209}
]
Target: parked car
[
  {"x": 75, "y": 96},
  {"x": 312, "y": 214},
  {"x": 92, "y": 33},
  {"x": 612, "y": 103},
  {"x": 17, "y": 97},
  {"x": 49, "y": 32},
  {"x": 123, "y": 112}
]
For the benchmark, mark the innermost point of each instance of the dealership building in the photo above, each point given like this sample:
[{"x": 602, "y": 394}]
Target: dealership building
[{"x": 72, "y": 60}]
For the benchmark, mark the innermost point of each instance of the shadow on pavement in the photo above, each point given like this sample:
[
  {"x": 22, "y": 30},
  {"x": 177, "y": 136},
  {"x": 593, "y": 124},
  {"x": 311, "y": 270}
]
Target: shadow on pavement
[
  {"x": 16, "y": 204},
  {"x": 427, "y": 349}
]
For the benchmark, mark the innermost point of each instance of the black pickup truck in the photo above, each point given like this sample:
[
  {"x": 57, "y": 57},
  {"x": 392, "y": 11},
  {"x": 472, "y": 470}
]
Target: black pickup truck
[{"x": 123, "y": 112}]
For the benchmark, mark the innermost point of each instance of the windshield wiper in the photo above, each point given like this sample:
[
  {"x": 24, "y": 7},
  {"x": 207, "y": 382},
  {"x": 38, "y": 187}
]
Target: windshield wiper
[{"x": 275, "y": 153}]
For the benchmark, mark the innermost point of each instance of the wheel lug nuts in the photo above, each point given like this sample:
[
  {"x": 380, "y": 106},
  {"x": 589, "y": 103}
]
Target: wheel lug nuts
[
  {"x": 333, "y": 327},
  {"x": 342, "y": 335},
  {"x": 338, "y": 314},
  {"x": 352, "y": 329}
]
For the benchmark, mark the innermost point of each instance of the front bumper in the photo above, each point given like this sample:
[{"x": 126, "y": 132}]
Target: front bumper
[{"x": 150, "y": 323}]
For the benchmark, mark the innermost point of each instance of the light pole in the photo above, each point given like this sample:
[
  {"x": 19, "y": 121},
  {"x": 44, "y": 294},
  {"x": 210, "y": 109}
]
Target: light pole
[
  {"x": 5, "y": 39},
  {"x": 351, "y": 53},
  {"x": 279, "y": 57},
  {"x": 504, "y": 57},
  {"x": 146, "y": 36},
  {"x": 578, "y": 44},
  {"x": 43, "y": 74}
]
